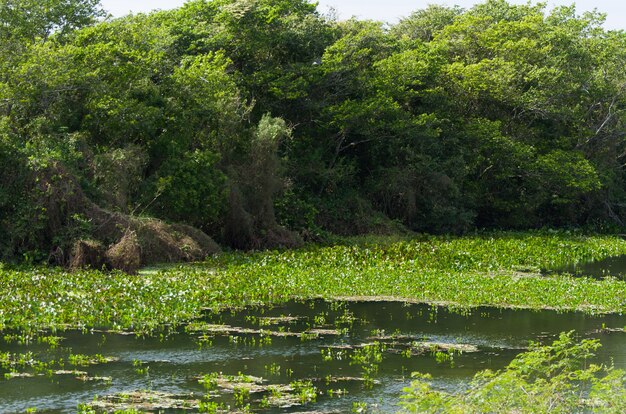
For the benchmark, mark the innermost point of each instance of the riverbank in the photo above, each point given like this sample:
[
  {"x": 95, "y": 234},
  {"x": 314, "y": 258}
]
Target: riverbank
[{"x": 495, "y": 269}]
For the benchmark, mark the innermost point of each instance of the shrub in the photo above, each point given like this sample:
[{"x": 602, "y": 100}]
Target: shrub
[{"x": 557, "y": 378}]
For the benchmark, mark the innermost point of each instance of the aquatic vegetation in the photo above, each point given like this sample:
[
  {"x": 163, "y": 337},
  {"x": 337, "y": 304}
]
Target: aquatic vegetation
[
  {"x": 305, "y": 391},
  {"x": 249, "y": 391},
  {"x": 211, "y": 407},
  {"x": 50, "y": 340},
  {"x": 277, "y": 320},
  {"x": 141, "y": 368},
  {"x": 368, "y": 361},
  {"x": 461, "y": 272},
  {"x": 241, "y": 396},
  {"x": 140, "y": 401},
  {"x": 223, "y": 301},
  {"x": 31, "y": 365},
  {"x": 273, "y": 369},
  {"x": 548, "y": 378},
  {"x": 368, "y": 357},
  {"x": 444, "y": 357},
  {"x": 210, "y": 381},
  {"x": 232, "y": 383},
  {"x": 332, "y": 354},
  {"x": 275, "y": 398},
  {"x": 25, "y": 338},
  {"x": 439, "y": 347},
  {"x": 498, "y": 269},
  {"x": 86, "y": 360},
  {"x": 359, "y": 407},
  {"x": 320, "y": 320},
  {"x": 347, "y": 319}
]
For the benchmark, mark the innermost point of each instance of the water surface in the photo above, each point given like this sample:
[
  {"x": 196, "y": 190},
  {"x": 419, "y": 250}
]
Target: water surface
[
  {"x": 173, "y": 363},
  {"x": 609, "y": 267}
]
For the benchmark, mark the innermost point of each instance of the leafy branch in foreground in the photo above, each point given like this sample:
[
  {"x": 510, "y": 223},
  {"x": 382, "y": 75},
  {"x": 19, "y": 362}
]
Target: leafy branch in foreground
[{"x": 557, "y": 378}]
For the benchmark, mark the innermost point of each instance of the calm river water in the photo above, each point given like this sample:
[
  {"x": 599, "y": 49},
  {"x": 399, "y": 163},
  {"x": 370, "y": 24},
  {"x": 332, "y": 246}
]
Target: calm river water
[{"x": 269, "y": 344}]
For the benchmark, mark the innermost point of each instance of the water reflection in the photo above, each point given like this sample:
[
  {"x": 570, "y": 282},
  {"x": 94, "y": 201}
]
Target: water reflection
[{"x": 609, "y": 267}]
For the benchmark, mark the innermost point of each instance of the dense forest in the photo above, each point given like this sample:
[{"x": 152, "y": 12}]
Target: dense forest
[{"x": 264, "y": 123}]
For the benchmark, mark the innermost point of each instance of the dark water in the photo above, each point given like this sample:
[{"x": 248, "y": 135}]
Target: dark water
[
  {"x": 609, "y": 267},
  {"x": 174, "y": 362}
]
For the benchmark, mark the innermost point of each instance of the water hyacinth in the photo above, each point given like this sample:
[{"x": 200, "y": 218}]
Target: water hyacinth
[{"x": 496, "y": 269}]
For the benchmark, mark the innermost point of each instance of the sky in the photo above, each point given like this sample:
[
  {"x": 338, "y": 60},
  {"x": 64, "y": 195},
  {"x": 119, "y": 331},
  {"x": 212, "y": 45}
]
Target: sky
[{"x": 386, "y": 10}]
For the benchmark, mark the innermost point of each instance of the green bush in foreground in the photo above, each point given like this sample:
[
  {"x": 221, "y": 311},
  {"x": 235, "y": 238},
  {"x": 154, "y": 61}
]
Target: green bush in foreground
[{"x": 556, "y": 378}]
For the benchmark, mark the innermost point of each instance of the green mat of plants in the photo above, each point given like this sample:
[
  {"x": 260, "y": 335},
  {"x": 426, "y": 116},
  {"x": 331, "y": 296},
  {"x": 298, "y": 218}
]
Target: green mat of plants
[{"x": 496, "y": 269}]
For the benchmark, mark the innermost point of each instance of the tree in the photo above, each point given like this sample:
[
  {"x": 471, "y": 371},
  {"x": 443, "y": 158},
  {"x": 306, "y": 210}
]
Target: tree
[
  {"x": 33, "y": 20},
  {"x": 424, "y": 25}
]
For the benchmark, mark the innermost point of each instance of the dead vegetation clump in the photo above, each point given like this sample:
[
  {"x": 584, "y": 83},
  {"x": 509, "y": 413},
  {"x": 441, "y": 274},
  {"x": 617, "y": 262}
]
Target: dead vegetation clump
[
  {"x": 135, "y": 242},
  {"x": 125, "y": 255},
  {"x": 80, "y": 234},
  {"x": 159, "y": 242},
  {"x": 88, "y": 254}
]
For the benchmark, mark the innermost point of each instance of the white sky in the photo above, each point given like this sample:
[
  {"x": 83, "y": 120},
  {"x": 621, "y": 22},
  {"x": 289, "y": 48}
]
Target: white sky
[{"x": 387, "y": 10}]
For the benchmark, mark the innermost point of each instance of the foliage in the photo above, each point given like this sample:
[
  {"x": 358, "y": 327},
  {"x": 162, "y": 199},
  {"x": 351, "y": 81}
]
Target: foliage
[
  {"x": 558, "y": 378},
  {"x": 190, "y": 189},
  {"x": 13, "y": 178},
  {"x": 117, "y": 175},
  {"x": 225, "y": 114},
  {"x": 32, "y": 20}
]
